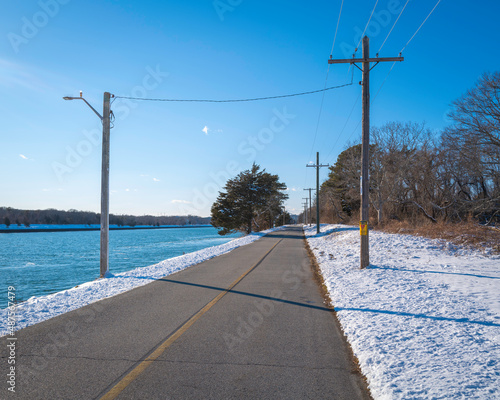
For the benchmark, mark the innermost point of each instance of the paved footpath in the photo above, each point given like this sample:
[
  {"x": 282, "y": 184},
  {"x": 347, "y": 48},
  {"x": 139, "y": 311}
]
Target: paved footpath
[{"x": 250, "y": 324}]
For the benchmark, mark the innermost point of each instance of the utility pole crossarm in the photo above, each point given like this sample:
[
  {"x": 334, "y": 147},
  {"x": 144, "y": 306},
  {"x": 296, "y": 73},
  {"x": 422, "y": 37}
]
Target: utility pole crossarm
[
  {"x": 318, "y": 166},
  {"x": 361, "y": 60}
]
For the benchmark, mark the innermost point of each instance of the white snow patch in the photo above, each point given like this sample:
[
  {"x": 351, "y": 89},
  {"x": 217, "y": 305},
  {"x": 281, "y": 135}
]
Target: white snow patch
[
  {"x": 423, "y": 318},
  {"x": 38, "y": 309}
]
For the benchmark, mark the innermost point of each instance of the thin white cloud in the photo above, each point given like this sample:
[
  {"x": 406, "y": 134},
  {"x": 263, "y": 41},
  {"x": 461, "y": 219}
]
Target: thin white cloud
[
  {"x": 20, "y": 75},
  {"x": 156, "y": 180},
  {"x": 205, "y": 130},
  {"x": 180, "y": 202},
  {"x": 23, "y": 157}
]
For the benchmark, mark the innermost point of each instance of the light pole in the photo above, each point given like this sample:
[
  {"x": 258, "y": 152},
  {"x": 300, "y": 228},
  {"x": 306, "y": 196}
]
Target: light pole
[{"x": 105, "y": 119}]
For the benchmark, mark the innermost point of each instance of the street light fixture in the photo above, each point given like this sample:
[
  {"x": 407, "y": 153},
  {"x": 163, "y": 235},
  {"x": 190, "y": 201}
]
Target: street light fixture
[{"x": 105, "y": 119}]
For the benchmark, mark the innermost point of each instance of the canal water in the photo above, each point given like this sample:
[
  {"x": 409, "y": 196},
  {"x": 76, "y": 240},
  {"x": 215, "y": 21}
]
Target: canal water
[{"x": 40, "y": 263}]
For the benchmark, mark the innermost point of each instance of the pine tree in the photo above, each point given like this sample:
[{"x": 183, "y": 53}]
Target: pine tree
[{"x": 252, "y": 198}]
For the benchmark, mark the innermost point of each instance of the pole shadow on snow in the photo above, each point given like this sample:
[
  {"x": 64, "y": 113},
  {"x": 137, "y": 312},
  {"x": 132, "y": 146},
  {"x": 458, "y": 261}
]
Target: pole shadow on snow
[
  {"x": 405, "y": 314},
  {"x": 334, "y": 230},
  {"x": 432, "y": 272}
]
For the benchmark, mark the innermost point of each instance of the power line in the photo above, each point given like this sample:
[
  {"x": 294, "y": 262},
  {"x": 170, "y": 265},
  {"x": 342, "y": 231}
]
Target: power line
[
  {"x": 397, "y": 19},
  {"x": 368, "y": 23},
  {"x": 236, "y": 100},
  {"x": 382, "y": 84},
  {"x": 337, "y": 28},
  {"x": 326, "y": 80},
  {"x": 343, "y": 128},
  {"x": 422, "y": 24}
]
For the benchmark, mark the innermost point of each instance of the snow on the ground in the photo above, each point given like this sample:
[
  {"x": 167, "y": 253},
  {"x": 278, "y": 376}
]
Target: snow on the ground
[
  {"x": 423, "y": 319},
  {"x": 38, "y": 309}
]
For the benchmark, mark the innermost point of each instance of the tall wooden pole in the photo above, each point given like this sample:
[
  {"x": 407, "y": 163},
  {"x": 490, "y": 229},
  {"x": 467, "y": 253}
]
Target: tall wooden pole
[
  {"x": 317, "y": 166},
  {"x": 305, "y": 212},
  {"x": 365, "y": 162},
  {"x": 365, "y": 157},
  {"x": 310, "y": 205},
  {"x": 317, "y": 192},
  {"x": 104, "y": 261}
]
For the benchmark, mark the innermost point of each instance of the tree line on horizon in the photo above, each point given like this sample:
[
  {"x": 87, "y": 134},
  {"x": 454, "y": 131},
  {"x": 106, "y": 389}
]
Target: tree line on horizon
[
  {"x": 16, "y": 217},
  {"x": 417, "y": 175}
]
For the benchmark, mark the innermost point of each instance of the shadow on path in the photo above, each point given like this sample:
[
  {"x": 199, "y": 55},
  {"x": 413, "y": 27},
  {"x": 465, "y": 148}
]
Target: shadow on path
[{"x": 277, "y": 299}]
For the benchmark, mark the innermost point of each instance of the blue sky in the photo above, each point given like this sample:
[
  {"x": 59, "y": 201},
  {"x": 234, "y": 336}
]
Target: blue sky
[{"x": 172, "y": 158}]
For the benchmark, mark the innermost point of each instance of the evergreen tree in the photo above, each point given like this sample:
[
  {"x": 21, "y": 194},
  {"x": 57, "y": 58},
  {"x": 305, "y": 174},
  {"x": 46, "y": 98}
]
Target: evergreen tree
[{"x": 254, "y": 197}]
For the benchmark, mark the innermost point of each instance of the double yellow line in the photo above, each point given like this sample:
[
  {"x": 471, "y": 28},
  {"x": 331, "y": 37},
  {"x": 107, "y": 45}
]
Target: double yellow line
[{"x": 139, "y": 369}]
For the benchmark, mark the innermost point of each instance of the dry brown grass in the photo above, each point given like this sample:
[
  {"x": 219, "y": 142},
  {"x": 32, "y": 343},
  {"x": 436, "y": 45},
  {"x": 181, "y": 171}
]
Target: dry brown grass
[{"x": 467, "y": 234}]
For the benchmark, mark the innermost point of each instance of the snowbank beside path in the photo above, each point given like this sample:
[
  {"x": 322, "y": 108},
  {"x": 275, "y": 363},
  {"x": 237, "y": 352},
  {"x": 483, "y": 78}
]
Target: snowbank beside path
[
  {"x": 423, "y": 319},
  {"x": 38, "y": 309}
]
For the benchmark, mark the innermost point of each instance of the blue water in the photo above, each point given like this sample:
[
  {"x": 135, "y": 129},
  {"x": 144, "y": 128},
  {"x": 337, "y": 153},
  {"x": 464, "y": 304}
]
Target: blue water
[{"x": 41, "y": 263}]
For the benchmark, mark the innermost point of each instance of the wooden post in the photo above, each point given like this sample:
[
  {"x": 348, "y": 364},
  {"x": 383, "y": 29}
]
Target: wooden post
[
  {"x": 365, "y": 186},
  {"x": 104, "y": 259},
  {"x": 310, "y": 205},
  {"x": 365, "y": 157},
  {"x": 317, "y": 166}
]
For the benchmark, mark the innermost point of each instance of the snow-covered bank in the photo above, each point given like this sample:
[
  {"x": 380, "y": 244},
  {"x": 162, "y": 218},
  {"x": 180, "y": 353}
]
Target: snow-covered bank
[
  {"x": 423, "y": 319},
  {"x": 38, "y": 309}
]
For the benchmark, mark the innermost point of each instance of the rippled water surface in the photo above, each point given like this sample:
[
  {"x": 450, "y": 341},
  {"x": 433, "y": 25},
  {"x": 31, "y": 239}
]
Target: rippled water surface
[{"x": 41, "y": 263}]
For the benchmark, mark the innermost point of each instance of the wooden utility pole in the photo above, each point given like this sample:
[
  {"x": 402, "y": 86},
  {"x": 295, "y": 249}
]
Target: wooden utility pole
[
  {"x": 104, "y": 264},
  {"x": 317, "y": 166},
  {"x": 106, "y": 122},
  {"x": 365, "y": 145},
  {"x": 305, "y": 210},
  {"x": 310, "y": 205}
]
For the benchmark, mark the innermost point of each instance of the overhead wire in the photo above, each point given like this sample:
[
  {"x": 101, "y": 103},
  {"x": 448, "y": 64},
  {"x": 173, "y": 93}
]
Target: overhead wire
[
  {"x": 395, "y": 22},
  {"x": 366, "y": 26},
  {"x": 326, "y": 80},
  {"x": 392, "y": 67},
  {"x": 337, "y": 28},
  {"x": 422, "y": 24},
  {"x": 350, "y": 66},
  {"x": 343, "y": 128},
  {"x": 418, "y": 29},
  {"x": 236, "y": 100}
]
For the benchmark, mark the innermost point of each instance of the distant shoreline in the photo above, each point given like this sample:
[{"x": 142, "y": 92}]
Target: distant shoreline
[{"x": 113, "y": 228}]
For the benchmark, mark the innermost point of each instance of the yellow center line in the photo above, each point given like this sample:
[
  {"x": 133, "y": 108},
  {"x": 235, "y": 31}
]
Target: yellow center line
[{"x": 132, "y": 375}]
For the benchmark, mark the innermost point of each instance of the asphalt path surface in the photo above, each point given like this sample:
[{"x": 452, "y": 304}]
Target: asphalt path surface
[{"x": 250, "y": 324}]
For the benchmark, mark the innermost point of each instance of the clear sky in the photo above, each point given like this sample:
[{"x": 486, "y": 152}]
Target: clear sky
[{"x": 172, "y": 158}]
